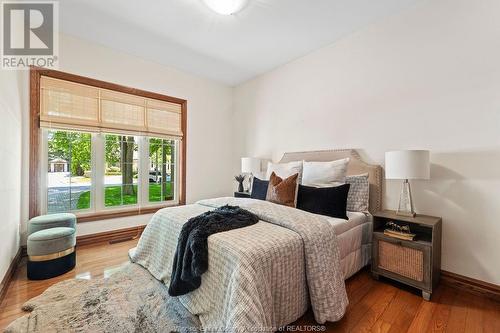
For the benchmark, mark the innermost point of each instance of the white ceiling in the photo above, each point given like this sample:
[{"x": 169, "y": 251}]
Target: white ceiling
[{"x": 230, "y": 49}]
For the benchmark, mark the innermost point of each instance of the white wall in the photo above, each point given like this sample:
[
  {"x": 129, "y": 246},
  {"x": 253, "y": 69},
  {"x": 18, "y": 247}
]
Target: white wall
[
  {"x": 209, "y": 139},
  {"x": 10, "y": 165},
  {"x": 427, "y": 78}
]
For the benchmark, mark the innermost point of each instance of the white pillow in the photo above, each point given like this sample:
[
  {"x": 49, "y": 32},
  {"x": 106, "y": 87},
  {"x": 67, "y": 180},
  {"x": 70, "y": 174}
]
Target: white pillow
[
  {"x": 284, "y": 170},
  {"x": 324, "y": 174}
]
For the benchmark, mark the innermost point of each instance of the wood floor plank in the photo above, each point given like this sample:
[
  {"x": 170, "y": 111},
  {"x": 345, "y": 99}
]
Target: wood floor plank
[
  {"x": 357, "y": 295},
  {"x": 375, "y": 306},
  {"x": 441, "y": 314},
  {"x": 458, "y": 313},
  {"x": 369, "y": 319},
  {"x": 391, "y": 313},
  {"x": 381, "y": 326},
  {"x": 491, "y": 320},
  {"x": 395, "y": 307},
  {"x": 473, "y": 322},
  {"x": 355, "y": 313},
  {"x": 352, "y": 285},
  {"x": 425, "y": 313},
  {"x": 404, "y": 318}
]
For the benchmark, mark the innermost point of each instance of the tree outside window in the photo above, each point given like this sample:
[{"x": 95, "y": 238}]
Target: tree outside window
[
  {"x": 121, "y": 170},
  {"x": 69, "y": 182}
]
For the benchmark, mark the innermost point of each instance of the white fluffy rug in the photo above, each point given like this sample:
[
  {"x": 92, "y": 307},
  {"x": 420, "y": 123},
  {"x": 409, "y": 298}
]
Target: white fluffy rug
[{"x": 130, "y": 300}]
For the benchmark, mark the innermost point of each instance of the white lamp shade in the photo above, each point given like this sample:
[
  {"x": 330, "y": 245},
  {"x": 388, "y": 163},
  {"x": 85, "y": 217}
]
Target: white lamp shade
[
  {"x": 250, "y": 165},
  {"x": 407, "y": 164}
]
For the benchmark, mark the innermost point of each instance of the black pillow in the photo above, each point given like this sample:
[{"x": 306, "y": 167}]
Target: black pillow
[
  {"x": 329, "y": 201},
  {"x": 259, "y": 189}
]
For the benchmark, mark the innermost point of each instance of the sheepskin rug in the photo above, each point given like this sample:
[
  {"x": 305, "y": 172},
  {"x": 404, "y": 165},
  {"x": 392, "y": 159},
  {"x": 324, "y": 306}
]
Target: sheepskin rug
[{"x": 130, "y": 300}]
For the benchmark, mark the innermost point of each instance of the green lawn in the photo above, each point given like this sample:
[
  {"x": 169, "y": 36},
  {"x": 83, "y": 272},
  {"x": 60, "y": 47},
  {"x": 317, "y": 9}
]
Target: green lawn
[
  {"x": 113, "y": 196},
  {"x": 83, "y": 201}
]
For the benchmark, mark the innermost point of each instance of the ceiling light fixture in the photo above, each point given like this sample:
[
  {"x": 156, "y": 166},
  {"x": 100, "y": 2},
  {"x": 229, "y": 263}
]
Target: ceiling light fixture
[{"x": 226, "y": 7}]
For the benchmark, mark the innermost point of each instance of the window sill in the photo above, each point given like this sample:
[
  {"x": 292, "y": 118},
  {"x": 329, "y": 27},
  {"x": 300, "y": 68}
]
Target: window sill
[{"x": 121, "y": 213}]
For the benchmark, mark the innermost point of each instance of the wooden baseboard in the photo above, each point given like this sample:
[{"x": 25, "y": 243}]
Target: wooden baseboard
[
  {"x": 112, "y": 236},
  {"x": 9, "y": 274},
  {"x": 471, "y": 285}
]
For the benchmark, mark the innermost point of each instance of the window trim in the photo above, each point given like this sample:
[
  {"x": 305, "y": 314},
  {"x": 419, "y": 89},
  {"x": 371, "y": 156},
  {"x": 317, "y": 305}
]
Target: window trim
[{"x": 36, "y": 143}]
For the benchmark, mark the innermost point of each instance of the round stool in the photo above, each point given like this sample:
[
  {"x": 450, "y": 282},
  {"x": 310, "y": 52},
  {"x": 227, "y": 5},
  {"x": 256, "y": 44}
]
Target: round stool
[
  {"x": 51, "y": 221},
  {"x": 51, "y": 252}
]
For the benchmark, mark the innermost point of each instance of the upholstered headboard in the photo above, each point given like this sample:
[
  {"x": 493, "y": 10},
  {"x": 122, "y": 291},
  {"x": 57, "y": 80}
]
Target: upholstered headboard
[{"x": 356, "y": 166}]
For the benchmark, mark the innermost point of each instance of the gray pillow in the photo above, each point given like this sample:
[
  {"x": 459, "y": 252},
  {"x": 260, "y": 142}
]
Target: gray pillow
[{"x": 357, "y": 199}]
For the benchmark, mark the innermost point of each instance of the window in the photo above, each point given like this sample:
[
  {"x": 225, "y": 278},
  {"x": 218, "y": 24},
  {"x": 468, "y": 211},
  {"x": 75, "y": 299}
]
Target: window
[
  {"x": 104, "y": 151},
  {"x": 161, "y": 175},
  {"x": 121, "y": 170},
  {"x": 68, "y": 164},
  {"x": 77, "y": 160}
]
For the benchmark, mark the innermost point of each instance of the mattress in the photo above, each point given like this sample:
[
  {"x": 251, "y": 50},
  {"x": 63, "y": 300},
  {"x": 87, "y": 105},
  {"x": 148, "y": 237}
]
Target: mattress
[
  {"x": 355, "y": 219},
  {"x": 354, "y": 241}
]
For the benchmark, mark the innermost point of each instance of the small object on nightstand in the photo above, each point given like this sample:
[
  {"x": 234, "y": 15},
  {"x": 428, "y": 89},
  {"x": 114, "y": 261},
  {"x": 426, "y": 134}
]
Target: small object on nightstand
[
  {"x": 240, "y": 179},
  {"x": 398, "y": 231},
  {"x": 242, "y": 194},
  {"x": 415, "y": 260}
]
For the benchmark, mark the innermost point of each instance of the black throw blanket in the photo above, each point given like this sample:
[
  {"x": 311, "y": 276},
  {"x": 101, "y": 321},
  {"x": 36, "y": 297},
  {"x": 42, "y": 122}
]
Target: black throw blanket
[{"x": 191, "y": 255}]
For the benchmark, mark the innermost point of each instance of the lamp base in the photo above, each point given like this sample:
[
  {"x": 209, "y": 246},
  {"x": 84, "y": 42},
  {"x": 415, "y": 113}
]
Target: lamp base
[
  {"x": 405, "y": 206},
  {"x": 408, "y": 214},
  {"x": 250, "y": 183}
]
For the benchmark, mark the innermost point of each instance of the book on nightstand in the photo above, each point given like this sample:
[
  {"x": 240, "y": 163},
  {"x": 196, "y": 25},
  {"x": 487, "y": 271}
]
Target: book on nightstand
[{"x": 400, "y": 235}]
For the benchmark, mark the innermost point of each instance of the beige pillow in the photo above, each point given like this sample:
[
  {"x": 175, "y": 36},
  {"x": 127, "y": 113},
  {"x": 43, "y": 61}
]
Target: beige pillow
[
  {"x": 282, "y": 191},
  {"x": 324, "y": 174}
]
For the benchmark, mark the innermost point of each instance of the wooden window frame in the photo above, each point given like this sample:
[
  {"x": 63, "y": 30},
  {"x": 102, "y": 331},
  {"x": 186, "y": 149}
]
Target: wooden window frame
[{"x": 35, "y": 136}]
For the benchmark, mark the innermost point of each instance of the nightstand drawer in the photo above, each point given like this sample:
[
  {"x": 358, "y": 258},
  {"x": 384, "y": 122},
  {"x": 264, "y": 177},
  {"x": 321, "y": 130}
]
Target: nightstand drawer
[
  {"x": 405, "y": 261},
  {"x": 409, "y": 261}
]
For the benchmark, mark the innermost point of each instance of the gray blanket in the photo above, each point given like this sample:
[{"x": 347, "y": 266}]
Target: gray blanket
[{"x": 259, "y": 277}]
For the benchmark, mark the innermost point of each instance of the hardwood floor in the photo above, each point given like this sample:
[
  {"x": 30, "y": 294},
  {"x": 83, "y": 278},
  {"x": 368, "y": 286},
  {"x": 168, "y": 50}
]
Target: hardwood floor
[{"x": 375, "y": 306}]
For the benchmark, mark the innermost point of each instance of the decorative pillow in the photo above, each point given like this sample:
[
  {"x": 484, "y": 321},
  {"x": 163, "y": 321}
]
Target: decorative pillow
[
  {"x": 358, "y": 198},
  {"x": 284, "y": 170},
  {"x": 324, "y": 174},
  {"x": 282, "y": 191},
  {"x": 329, "y": 201},
  {"x": 259, "y": 189}
]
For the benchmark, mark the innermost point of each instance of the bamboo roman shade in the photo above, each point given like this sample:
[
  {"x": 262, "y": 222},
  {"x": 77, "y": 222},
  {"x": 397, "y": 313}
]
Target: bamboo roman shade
[{"x": 71, "y": 105}]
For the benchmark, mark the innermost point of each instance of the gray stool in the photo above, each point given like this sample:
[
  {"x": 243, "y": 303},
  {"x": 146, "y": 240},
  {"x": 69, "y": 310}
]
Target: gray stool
[
  {"x": 43, "y": 222},
  {"x": 51, "y": 245}
]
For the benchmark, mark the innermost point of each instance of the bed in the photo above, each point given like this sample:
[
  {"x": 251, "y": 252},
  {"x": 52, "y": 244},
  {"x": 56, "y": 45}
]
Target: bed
[
  {"x": 354, "y": 235},
  {"x": 267, "y": 275}
]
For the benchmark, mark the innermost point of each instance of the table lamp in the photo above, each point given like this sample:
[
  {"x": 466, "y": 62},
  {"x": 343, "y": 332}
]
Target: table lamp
[{"x": 406, "y": 165}]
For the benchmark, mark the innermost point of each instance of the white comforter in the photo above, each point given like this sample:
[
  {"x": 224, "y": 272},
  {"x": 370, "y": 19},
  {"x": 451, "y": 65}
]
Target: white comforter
[{"x": 259, "y": 277}]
